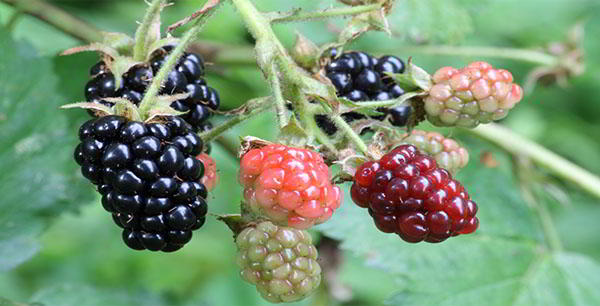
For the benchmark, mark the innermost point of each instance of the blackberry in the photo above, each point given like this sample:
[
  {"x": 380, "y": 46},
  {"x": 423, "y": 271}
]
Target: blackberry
[
  {"x": 148, "y": 177},
  {"x": 186, "y": 77},
  {"x": 358, "y": 76},
  {"x": 408, "y": 194}
]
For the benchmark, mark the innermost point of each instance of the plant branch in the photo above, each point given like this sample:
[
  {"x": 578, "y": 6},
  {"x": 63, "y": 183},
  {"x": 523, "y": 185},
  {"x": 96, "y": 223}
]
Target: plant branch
[
  {"x": 252, "y": 108},
  {"x": 58, "y": 18},
  {"x": 530, "y": 56},
  {"x": 142, "y": 38},
  {"x": 519, "y": 145},
  {"x": 278, "y": 96},
  {"x": 522, "y": 168},
  {"x": 327, "y": 13},
  {"x": 150, "y": 95},
  {"x": 347, "y": 129}
]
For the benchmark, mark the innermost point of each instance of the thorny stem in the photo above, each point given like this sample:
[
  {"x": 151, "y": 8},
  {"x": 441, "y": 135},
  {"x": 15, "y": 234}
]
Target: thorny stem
[
  {"x": 141, "y": 35},
  {"x": 341, "y": 124},
  {"x": 519, "y": 145},
  {"x": 256, "y": 106},
  {"x": 327, "y": 13},
  {"x": 57, "y": 18},
  {"x": 150, "y": 95},
  {"x": 278, "y": 96},
  {"x": 531, "y": 56},
  {"x": 270, "y": 51}
]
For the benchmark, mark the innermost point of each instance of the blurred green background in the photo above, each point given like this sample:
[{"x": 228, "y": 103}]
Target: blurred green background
[{"x": 58, "y": 246}]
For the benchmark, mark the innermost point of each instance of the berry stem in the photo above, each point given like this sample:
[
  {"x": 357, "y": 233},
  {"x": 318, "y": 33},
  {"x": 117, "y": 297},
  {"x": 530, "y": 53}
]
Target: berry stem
[
  {"x": 548, "y": 227},
  {"x": 347, "y": 129},
  {"x": 530, "y": 56},
  {"x": 327, "y": 13},
  {"x": 150, "y": 100},
  {"x": 519, "y": 145},
  {"x": 278, "y": 96},
  {"x": 143, "y": 31},
  {"x": 57, "y": 18},
  {"x": 271, "y": 52},
  {"x": 252, "y": 108}
]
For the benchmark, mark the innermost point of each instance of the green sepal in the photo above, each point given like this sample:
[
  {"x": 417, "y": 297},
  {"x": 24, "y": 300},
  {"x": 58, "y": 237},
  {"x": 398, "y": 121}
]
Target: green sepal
[
  {"x": 413, "y": 78},
  {"x": 293, "y": 134},
  {"x": 96, "y": 107}
]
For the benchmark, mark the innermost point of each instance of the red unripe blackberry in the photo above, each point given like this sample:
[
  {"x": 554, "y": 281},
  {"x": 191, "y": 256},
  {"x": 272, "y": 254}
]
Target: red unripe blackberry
[
  {"x": 290, "y": 186},
  {"x": 408, "y": 194}
]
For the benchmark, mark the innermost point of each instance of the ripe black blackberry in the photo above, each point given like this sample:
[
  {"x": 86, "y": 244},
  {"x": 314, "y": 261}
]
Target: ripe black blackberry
[
  {"x": 148, "y": 176},
  {"x": 187, "y": 77},
  {"x": 358, "y": 76}
]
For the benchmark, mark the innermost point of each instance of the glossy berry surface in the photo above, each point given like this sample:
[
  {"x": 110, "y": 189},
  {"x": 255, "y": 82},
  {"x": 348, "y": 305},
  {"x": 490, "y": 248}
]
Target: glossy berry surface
[
  {"x": 472, "y": 95},
  {"x": 186, "y": 77},
  {"x": 358, "y": 76},
  {"x": 290, "y": 186},
  {"x": 149, "y": 184},
  {"x": 408, "y": 194},
  {"x": 280, "y": 261}
]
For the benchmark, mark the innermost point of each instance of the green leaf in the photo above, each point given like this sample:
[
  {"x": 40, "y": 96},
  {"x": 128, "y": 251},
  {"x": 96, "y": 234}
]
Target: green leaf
[
  {"x": 38, "y": 178},
  {"x": 504, "y": 263},
  {"x": 437, "y": 20},
  {"x": 80, "y": 295}
]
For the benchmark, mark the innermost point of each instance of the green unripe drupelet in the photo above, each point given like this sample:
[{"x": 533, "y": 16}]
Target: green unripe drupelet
[{"x": 279, "y": 261}]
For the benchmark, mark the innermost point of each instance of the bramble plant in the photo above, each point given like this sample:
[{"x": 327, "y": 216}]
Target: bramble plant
[{"x": 359, "y": 154}]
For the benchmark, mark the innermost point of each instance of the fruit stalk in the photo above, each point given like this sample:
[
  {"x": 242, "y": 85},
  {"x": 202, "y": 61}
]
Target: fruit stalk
[
  {"x": 530, "y": 56},
  {"x": 254, "y": 107},
  {"x": 347, "y": 129},
  {"x": 143, "y": 31},
  {"x": 58, "y": 18},
  {"x": 150, "y": 95},
  {"x": 270, "y": 52},
  {"x": 327, "y": 13},
  {"x": 519, "y": 145}
]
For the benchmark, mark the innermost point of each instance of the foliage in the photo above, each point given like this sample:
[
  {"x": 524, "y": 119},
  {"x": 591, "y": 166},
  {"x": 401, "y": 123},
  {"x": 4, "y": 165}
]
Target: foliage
[{"x": 57, "y": 247}]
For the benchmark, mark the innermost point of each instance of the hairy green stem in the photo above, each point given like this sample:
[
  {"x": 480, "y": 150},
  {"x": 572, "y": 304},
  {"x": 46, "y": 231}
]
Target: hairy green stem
[
  {"x": 531, "y": 56},
  {"x": 58, "y": 18},
  {"x": 347, "y": 129},
  {"x": 150, "y": 95},
  {"x": 556, "y": 164},
  {"x": 278, "y": 96},
  {"x": 141, "y": 34},
  {"x": 254, "y": 107},
  {"x": 327, "y": 13},
  {"x": 521, "y": 165}
]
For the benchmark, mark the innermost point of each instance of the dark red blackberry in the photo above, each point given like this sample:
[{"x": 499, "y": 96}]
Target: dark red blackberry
[
  {"x": 148, "y": 176},
  {"x": 408, "y": 194},
  {"x": 187, "y": 77},
  {"x": 358, "y": 76}
]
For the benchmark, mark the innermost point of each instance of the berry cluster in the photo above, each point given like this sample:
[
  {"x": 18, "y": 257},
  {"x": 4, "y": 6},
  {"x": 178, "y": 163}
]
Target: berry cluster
[
  {"x": 358, "y": 76},
  {"x": 187, "y": 77},
  {"x": 148, "y": 178},
  {"x": 279, "y": 261},
  {"x": 291, "y": 186},
  {"x": 408, "y": 194},
  {"x": 474, "y": 94},
  {"x": 446, "y": 151}
]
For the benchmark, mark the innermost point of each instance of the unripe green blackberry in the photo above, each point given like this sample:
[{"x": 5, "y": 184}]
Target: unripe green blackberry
[
  {"x": 447, "y": 152},
  {"x": 474, "y": 94},
  {"x": 280, "y": 261}
]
